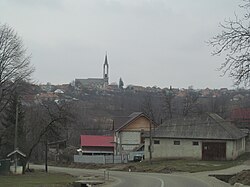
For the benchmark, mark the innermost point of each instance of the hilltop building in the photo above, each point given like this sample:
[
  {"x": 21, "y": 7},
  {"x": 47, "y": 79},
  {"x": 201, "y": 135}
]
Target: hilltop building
[{"x": 96, "y": 82}]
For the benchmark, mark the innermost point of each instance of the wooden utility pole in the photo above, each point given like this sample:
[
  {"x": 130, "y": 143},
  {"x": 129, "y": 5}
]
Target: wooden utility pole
[
  {"x": 46, "y": 154},
  {"x": 150, "y": 141},
  {"x": 15, "y": 142}
]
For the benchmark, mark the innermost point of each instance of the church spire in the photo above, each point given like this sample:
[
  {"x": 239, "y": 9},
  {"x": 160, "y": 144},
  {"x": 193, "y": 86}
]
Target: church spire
[
  {"x": 106, "y": 70},
  {"x": 106, "y": 59}
]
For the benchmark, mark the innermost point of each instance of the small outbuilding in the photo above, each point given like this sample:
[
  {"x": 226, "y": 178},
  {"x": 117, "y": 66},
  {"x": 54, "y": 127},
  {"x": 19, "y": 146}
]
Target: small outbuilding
[
  {"x": 97, "y": 145},
  {"x": 17, "y": 159},
  {"x": 204, "y": 138}
]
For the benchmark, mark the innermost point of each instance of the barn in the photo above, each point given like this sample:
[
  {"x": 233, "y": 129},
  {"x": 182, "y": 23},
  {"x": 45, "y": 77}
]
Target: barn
[{"x": 205, "y": 138}]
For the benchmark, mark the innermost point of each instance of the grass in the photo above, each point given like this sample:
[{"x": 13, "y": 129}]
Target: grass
[
  {"x": 167, "y": 166},
  {"x": 37, "y": 179}
]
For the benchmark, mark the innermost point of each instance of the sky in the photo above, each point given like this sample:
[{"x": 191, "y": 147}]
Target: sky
[{"x": 148, "y": 42}]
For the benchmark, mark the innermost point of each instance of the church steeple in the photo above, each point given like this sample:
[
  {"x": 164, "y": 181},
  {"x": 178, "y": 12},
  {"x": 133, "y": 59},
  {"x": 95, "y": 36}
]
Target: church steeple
[{"x": 106, "y": 70}]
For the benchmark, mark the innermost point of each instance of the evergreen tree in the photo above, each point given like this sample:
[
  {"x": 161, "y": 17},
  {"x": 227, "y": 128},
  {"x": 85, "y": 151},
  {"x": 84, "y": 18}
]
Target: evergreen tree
[{"x": 121, "y": 84}]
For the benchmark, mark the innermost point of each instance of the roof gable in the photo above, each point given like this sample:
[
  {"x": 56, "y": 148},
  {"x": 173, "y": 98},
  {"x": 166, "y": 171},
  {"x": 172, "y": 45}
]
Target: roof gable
[
  {"x": 97, "y": 141},
  {"x": 16, "y": 152},
  {"x": 122, "y": 122}
]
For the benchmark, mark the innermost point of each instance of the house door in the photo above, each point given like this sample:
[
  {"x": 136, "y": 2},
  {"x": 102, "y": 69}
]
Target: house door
[{"x": 213, "y": 151}]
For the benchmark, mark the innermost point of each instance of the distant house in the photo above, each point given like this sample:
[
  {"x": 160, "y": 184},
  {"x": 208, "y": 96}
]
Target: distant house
[
  {"x": 59, "y": 91},
  {"x": 208, "y": 138},
  {"x": 97, "y": 145},
  {"x": 47, "y": 96},
  {"x": 238, "y": 97},
  {"x": 241, "y": 116},
  {"x": 129, "y": 131}
]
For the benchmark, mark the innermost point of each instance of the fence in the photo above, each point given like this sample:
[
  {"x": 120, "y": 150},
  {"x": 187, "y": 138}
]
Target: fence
[{"x": 101, "y": 159}]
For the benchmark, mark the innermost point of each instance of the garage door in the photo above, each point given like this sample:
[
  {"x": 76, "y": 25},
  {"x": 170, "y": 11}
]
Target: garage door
[{"x": 213, "y": 151}]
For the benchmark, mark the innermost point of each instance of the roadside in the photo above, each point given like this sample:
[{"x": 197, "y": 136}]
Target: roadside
[
  {"x": 170, "y": 166},
  {"x": 208, "y": 176},
  {"x": 201, "y": 170},
  {"x": 237, "y": 171}
]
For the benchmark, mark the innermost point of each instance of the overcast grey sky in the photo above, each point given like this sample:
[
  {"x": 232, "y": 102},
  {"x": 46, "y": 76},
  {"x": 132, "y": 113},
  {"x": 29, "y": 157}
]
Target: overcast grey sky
[{"x": 149, "y": 42}]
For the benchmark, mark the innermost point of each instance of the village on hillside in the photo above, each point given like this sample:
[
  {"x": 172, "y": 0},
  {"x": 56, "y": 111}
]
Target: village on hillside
[
  {"x": 89, "y": 131},
  {"x": 117, "y": 124}
]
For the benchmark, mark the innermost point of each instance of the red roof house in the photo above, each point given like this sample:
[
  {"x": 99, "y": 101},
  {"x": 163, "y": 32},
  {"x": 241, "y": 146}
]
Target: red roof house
[
  {"x": 241, "y": 114},
  {"x": 97, "y": 145},
  {"x": 241, "y": 117}
]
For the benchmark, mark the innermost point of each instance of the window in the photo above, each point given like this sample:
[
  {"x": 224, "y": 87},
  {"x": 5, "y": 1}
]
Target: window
[
  {"x": 195, "y": 143},
  {"x": 177, "y": 142},
  {"x": 156, "y": 141}
]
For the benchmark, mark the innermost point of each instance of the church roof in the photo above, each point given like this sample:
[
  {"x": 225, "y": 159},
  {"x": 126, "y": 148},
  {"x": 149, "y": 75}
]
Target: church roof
[{"x": 90, "y": 81}]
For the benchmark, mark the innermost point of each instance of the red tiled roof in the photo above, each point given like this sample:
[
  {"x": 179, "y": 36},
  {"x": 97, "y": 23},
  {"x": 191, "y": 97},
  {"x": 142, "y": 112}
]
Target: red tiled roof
[{"x": 97, "y": 141}]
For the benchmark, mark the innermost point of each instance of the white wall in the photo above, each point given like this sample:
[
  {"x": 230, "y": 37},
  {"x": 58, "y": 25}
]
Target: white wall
[
  {"x": 130, "y": 140},
  {"x": 235, "y": 148},
  {"x": 167, "y": 149}
]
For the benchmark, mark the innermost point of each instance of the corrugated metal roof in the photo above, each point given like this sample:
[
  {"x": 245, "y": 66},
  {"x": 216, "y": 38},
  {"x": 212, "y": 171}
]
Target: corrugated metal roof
[
  {"x": 97, "y": 141},
  {"x": 211, "y": 127}
]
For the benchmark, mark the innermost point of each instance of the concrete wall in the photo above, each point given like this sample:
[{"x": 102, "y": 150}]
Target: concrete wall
[
  {"x": 126, "y": 141},
  {"x": 186, "y": 149},
  {"x": 235, "y": 148},
  {"x": 19, "y": 170},
  {"x": 97, "y": 159},
  {"x": 130, "y": 140},
  {"x": 101, "y": 159},
  {"x": 167, "y": 149}
]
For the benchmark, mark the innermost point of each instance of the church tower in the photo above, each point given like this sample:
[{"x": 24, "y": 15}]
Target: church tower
[{"x": 106, "y": 71}]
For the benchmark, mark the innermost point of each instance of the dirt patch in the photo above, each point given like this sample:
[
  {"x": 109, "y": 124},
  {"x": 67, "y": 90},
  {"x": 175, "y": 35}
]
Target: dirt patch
[
  {"x": 224, "y": 178},
  {"x": 242, "y": 177}
]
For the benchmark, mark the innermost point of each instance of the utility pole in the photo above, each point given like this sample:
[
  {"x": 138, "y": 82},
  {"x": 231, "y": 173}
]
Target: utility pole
[
  {"x": 150, "y": 141},
  {"x": 46, "y": 154},
  {"x": 15, "y": 142}
]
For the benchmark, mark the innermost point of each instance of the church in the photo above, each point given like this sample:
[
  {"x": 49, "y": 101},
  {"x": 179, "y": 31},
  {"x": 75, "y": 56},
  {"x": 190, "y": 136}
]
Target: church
[{"x": 99, "y": 83}]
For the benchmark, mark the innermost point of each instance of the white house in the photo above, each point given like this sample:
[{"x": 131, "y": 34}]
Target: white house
[{"x": 129, "y": 131}]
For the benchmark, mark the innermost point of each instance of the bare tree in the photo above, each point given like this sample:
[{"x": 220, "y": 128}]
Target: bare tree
[
  {"x": 46, "y": 121},
  {"x": 168, "y": 95},
  {"x": 147, "y": 107},
  {"x": 234, "y": 40},
  {"x": 189, "y": 102},
  {"x": 14, "y": 64}
]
